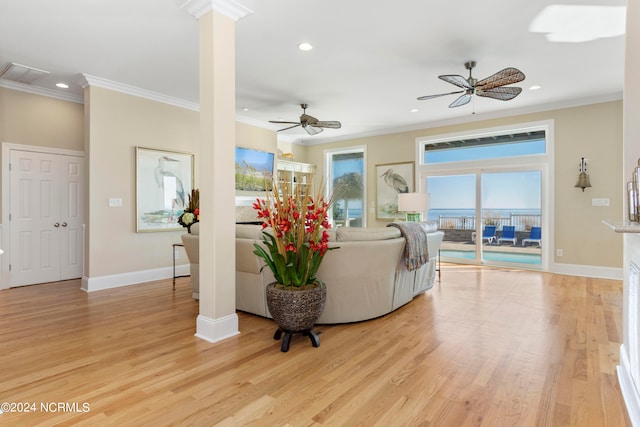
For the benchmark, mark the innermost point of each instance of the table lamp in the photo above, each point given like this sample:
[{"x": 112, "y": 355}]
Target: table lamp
[{"x": 414, "y": 204}]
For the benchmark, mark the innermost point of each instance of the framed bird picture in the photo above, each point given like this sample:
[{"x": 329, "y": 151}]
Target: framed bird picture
[
  {"x": 392, "y": 179},
  {"x": 164, "y": 180}
]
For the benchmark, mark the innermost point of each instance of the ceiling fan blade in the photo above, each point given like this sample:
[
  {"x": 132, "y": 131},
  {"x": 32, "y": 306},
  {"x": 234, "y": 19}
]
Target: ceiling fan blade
[
  {"x": 328, "y": 124},
  {"x": 290, "y": 127},
  {"x": 457, "y": 80},
  {"x": 461, "y": 100},
  {"x": 423, "y": 98},
  {"x": 501, "y": 93},
  {"x": 501, "y": 78},
  {"x": 312, "y": 130},
  {"x": 283, "y": 122},
  {"x": 305, "y": 118}
]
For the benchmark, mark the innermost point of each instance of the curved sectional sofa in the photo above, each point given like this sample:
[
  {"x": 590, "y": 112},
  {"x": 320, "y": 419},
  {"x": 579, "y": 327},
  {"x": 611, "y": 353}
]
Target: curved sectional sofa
[{"x": 365, "y": 278}]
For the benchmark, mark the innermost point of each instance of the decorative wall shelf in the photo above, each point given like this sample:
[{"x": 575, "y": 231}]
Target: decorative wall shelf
[{"x": 296, "y": 173}]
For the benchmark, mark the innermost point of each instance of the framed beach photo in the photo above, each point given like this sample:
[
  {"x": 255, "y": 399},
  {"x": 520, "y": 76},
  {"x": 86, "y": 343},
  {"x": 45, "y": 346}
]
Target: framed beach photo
[
  {"x": 254, "y": 171},
  {"x": 392, "y": 179},
  {"x": 164, "y": 180}
]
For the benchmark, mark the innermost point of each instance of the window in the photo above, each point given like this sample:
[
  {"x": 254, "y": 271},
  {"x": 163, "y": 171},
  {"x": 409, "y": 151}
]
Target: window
[
  {"x": 490, "y": 180},
  {"x": 485, "y": 147},
  {"x": 347, "y": 181}
]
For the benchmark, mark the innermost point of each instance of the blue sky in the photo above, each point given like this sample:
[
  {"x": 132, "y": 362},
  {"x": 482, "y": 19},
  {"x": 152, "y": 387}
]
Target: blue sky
[
  {"x": 508, "y": 190},
  {"x": 504, "y": 190}
]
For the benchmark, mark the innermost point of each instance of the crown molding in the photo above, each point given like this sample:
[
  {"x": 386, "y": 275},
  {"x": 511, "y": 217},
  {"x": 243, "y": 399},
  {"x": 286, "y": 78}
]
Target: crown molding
[
  {"x": 88, "y": 80},
  {"x": 573, "y": 103},
  {"x": 229, "y": 8},
  {"x": 38, "y": 90}
]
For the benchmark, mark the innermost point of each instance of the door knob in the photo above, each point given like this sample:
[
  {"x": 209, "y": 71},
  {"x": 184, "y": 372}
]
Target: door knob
[
  {"x": 64, "y": 224},
  {"x": 57, "y": 224}
]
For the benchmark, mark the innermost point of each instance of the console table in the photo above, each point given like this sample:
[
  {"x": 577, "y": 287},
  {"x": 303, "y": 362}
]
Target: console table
[{"x": 173, "y": 255}]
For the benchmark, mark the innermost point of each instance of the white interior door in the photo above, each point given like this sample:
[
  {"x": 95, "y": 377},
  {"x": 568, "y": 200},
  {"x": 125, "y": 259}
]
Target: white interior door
[
  {"x": 71, "y": 216},
  {"x": 45, "y": 217}
]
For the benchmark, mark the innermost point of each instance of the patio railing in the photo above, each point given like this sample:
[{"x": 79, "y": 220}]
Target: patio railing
[{"x": 522, "y": 222}]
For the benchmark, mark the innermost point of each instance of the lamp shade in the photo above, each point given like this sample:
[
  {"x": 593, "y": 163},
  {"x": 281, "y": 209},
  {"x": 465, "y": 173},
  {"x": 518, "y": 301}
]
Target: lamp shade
[{"x": 413, "y": 202}]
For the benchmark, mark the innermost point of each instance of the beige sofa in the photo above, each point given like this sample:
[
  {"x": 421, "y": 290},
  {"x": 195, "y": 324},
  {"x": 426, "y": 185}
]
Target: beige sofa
[
  {"x": 191, "y": 244},
  {"x": 365, "y": 278}
]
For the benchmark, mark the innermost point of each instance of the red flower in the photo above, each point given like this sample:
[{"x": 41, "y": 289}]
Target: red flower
[{"x": 298, "y": 234}]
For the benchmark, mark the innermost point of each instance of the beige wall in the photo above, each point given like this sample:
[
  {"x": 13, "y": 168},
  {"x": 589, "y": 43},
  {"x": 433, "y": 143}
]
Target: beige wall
[
  {"x": 593, "y": 132},
  {"x": 41, "y": 121},
  {"x": 249, "y": 136},
  {"x": 116, "y": 124}
]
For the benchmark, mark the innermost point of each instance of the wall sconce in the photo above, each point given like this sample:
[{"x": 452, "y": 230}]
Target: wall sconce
[
  {"x": 414, "y": 204},
  {"x": 583, "y": 176}
]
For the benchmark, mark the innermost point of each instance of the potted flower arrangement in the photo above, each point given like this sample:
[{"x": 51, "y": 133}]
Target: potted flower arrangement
[
  {"x": 295, "y": 240},
  {"x": 191, "y": 213}
]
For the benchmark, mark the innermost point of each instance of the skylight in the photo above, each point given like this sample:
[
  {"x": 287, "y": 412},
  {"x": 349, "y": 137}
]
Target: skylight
[{"x": 579, "y": 23}]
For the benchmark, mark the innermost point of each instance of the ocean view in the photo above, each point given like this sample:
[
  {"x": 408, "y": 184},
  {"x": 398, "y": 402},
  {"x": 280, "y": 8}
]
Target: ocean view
[{"x": 434, "y": 214}]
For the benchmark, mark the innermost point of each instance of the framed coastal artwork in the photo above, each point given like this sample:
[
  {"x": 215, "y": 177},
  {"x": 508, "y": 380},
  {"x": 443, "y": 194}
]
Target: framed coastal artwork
[
  {"x": 392, "y": 179},
  {"x": 164, "y": 180}
]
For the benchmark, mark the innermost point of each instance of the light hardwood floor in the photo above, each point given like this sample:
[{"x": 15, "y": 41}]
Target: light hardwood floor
[{"x": 484, "y": 347}]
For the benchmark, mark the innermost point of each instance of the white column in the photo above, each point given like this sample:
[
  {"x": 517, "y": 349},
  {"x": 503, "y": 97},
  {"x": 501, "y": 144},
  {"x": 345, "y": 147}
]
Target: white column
[
  {"x": 631, "y": 153},
  {"x": 217, "y": 319}
]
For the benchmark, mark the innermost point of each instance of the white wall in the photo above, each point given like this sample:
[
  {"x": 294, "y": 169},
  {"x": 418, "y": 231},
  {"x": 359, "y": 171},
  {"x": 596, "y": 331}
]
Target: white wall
[{"x": 629, "y": 362}]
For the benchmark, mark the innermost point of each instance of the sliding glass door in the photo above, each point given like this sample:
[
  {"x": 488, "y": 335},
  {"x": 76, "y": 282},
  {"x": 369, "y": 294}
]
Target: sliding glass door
[
  {"x": 491, "y": 226},
  {"x": 487, "y": 194},
  {"x": 452, "y": 203},
  {"x": 511, "y": 202}
]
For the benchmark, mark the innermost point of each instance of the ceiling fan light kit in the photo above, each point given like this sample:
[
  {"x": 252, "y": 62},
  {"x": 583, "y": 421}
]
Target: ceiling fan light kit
[
  {"x": 491, "y": 87},
  {"x": 309, "y": 123}
]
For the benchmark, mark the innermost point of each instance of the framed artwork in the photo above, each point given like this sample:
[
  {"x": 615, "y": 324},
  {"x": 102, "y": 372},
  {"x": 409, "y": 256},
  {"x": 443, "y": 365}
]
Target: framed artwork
[
  {"x": 164, "y": 180},
  {"x": 391, "y": 179},
  {"x": 254, "y": 170}
]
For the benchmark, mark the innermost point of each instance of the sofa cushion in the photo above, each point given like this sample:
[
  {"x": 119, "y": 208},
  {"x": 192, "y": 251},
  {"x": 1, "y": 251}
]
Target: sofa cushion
[
  {"x": 332, "y": 234},
  {"x": 357, "y": 234},
  {"x": 195, "y": 228},
  {"x": 249, "y": 231},
  {"x": 430, "y": 226}
]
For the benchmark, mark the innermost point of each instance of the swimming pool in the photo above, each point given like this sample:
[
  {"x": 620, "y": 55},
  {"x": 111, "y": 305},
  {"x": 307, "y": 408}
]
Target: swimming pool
[{"x": 494, "y": 256}]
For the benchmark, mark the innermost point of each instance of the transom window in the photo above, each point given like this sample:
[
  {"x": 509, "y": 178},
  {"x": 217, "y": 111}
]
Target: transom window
[{"x": 485, "y": 147}]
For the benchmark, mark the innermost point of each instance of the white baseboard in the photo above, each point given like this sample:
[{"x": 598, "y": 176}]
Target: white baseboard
[
  {"x": 588, "y": 271},
  {"x": 629, "y": 391},
  {"x": 214, "y": 330},
  {"x": 90, "y": 284}
]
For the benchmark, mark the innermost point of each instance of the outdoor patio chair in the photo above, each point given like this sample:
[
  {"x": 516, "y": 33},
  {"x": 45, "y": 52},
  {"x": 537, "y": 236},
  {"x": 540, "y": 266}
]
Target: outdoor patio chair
[
  {"x": 488, "y": 234},
  {"x": 508, "y": 235},
  {"x": 535, "y": 236}
]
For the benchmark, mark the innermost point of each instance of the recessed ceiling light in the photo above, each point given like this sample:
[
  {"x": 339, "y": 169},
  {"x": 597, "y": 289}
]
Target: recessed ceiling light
[
  {"x": 535, "y": 87},
  {"x": 245, "y": 109},
  {"x": 415, "y": 110},
  {"x": 62, "y": 85},
  {"x": 305, "y": 46},
  {"x": 579, "y": 23}
]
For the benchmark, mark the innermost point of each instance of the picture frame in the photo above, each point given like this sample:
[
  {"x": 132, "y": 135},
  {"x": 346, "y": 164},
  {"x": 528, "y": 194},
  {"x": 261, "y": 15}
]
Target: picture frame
[
  {"x": 254, "y": 171},
  {"x": 391, "y": 179},
  {"x": 164, "y": 180}
]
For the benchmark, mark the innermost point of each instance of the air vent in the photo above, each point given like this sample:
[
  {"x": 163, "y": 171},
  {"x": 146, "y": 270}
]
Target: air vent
[{"x": 22, "y": 73}]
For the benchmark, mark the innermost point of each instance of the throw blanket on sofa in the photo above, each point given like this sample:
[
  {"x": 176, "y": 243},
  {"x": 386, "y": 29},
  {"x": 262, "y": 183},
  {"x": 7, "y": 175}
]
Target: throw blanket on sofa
[{"x": 416, "y": 251}]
